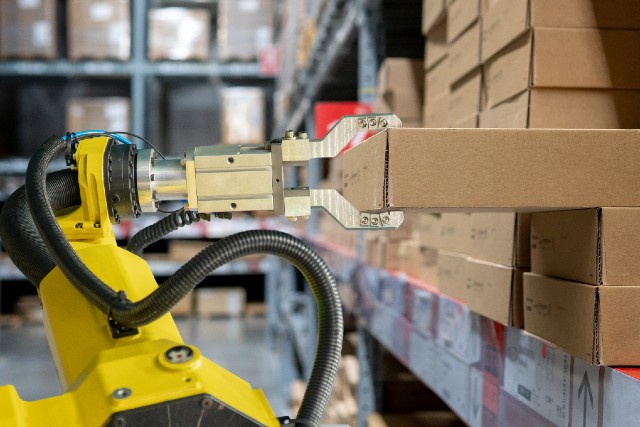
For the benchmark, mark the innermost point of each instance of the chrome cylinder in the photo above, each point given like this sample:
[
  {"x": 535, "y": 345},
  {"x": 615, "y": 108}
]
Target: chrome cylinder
[{"x": 159, "y": 180}]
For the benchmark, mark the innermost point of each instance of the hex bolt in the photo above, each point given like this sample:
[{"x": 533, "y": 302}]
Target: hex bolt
[
  {"x": 303, "y": 135},
  {"x": 364, "y": 220},
  {"x": 373, "y": 122},
  {"x": 121, "y": 393},
  {"x": 383, "y": 123},
  {"x": 289, "y": 134},
  {"x": 374, "y": 221}
]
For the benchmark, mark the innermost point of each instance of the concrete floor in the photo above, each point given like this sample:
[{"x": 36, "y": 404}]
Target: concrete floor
[{"x": 237, "y": 344}]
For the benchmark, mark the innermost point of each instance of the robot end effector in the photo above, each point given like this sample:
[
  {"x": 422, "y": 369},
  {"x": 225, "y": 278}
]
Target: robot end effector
[{"x": 236, "y": 178}]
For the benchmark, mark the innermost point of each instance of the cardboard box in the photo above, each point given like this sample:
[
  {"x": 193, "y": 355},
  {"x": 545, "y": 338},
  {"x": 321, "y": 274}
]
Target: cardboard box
[
  {"x": 452, "y": 274},
  {"x": 494, "y": 291},
  {"x": 469, "y": 122},
  {"x": 220, "y": 302},
  {"x": 423, "y": 351},
  {"x": 464, "y": 101},
  {"x": 28, "y": 29},
  {"x": 185, "y": 307},
  {"x": 460, "y": 16},
  {"x": 566, "y": 109},
  {"x": 433, "y": 11},
  {"x": 437, "y": 81},
  {"x": 425, "y": 311},
  {"x": 452, "y": 382},
  {"x": 423, "y": 262},
  {"x": 596, "y": 246},
  {"x": 400, "y": 88},
  {"x": 508, "y": 19},
  {"x": 500, "y": 169},
  {"x": 501, "y": 238},
  {"x": 243, "y": 116},
  {"x": 603, "y": 319},
  {"x": 179, "y": 33},
  {"x": 537, "y": 375},
  {"x": 436, "y": 111},
  {"x": 464, "y": 54},
  {"x": 436, "y": 46},
  {"x": 109, "y": 114},
  {"x": 99, "y": 29},
  {"x": 563, "y": 58},
  {"x": 428, "y": 229},
  {"x": 455, "y": 232},
  {"x": 245, "y": 27}
]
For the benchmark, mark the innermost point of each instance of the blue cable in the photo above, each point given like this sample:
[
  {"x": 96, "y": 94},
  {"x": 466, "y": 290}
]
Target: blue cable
[{"x": 100, "y": 132}]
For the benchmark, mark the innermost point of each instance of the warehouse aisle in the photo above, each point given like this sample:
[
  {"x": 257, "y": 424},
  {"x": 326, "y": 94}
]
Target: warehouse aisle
[{"x": 237, "y": 344}]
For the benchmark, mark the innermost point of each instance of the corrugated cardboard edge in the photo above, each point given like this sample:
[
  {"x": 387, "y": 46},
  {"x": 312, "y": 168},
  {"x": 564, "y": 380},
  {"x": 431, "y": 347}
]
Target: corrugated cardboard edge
[
  {"x": 595, "y": 358},
  {"x": 385, "y": 194},
  {"x": 599, "y": 249}
]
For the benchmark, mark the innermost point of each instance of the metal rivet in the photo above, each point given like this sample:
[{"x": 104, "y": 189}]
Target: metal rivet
[
  {"x": 364, "y": 220},
  {"x": 288, "y": 134},
  {"x": 206, "y": 402},
  {"x": 374, "y": 221},
  {"x": 121, "y": 393},
  {"x": 373, "y": 122},
  {"x": 302, "y": 135},
  {"x": 386, "y": 219},
  {"x": 362, "y": 123},
  {"x": 383, "y": 123}
]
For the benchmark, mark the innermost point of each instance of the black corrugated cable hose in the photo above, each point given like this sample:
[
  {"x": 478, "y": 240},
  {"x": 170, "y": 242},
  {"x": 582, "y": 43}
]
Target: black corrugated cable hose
[
  {"x": 158, "y": 230},
  {"x": 18, "y": 231},
  {"x": 313, "y": 268}
]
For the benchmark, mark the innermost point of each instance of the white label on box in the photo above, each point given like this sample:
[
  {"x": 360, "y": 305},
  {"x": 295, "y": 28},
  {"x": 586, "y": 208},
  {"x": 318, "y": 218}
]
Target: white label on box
[
  {"x": 537, "y": 375},
  {"x": 453, "y": 383},
  {"x": 475, "y": 398},
  {"x": 459, "y": 330},
  {"x": 101, "y": 11},
  {"x": 28, "y": 4},
  {"x": 249, "y": 6},
  {"x": 41, "y": 34},
  {"x": 422, "y": 359},
  {"x": 585, "y": 392}
]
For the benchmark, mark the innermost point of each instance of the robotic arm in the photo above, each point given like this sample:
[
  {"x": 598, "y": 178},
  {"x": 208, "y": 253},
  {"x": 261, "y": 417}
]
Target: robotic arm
[{"x": 119, "y": 356}]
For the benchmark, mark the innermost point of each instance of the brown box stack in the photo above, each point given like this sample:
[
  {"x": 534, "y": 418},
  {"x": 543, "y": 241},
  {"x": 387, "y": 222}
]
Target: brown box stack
[
  {"x": 28, "y": 29},
  {"x": 245, "y": 27},
  {"x": 585, "y": 272},
  {"x": 547, "y": 67},
  {"x": 99, "y": 29},
  {"x": 179, "y": 33},
  {"x": 400, "y": 87},
  {"x": 243, "y": 120},
  {"x": 109, "y": 114}
]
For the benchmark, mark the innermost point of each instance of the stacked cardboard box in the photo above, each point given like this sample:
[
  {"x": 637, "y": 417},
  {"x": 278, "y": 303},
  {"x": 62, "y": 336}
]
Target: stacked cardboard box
[
  {"x": 28, "y": 29},
  {"x": 436, "y": 78},
  {"x": 547, "y": 67},
  {"x": 243, "y": 115},
  {"x": 400, "y": 90},
  {"x": 245, "y": 27},
  {"x": 581, "y": 294},
  {"x": 179, "y": 33},
  {"x": 109, "y": 114},
  {"x": 99, "y": 29}
]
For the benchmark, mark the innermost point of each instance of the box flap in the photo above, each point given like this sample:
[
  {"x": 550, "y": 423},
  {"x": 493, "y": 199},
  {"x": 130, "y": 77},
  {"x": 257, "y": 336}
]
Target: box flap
[
  {"x": 512, "y": 113},
  {"x": 585, "y": 58},
  {"x": 620, "y": 242},
  {"x": 562, "y": 313},
  {"x": 433, "y": 11},
  {"x": 436, "y": 45},
  {"x": 566, "y": 245},
  {"x": 437, "y": 81},
  {"x": 464, "y": 53},
  {"x": 365, "y": 173},
  {"x": 464, "y": 101},
  {"x": 619, "y": 325}
]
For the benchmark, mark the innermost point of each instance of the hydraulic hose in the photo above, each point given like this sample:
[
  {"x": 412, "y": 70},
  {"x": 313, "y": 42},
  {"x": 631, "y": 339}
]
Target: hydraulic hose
[
  {"x": 19, "y": 234},
  {"x": 158, "y": 230}
]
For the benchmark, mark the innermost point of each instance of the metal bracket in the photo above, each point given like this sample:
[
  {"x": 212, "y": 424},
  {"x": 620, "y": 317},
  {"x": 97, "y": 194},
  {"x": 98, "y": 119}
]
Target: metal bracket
[
  {"x": 346, "y": 128},
  {"x": 351, "y": 218}
]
